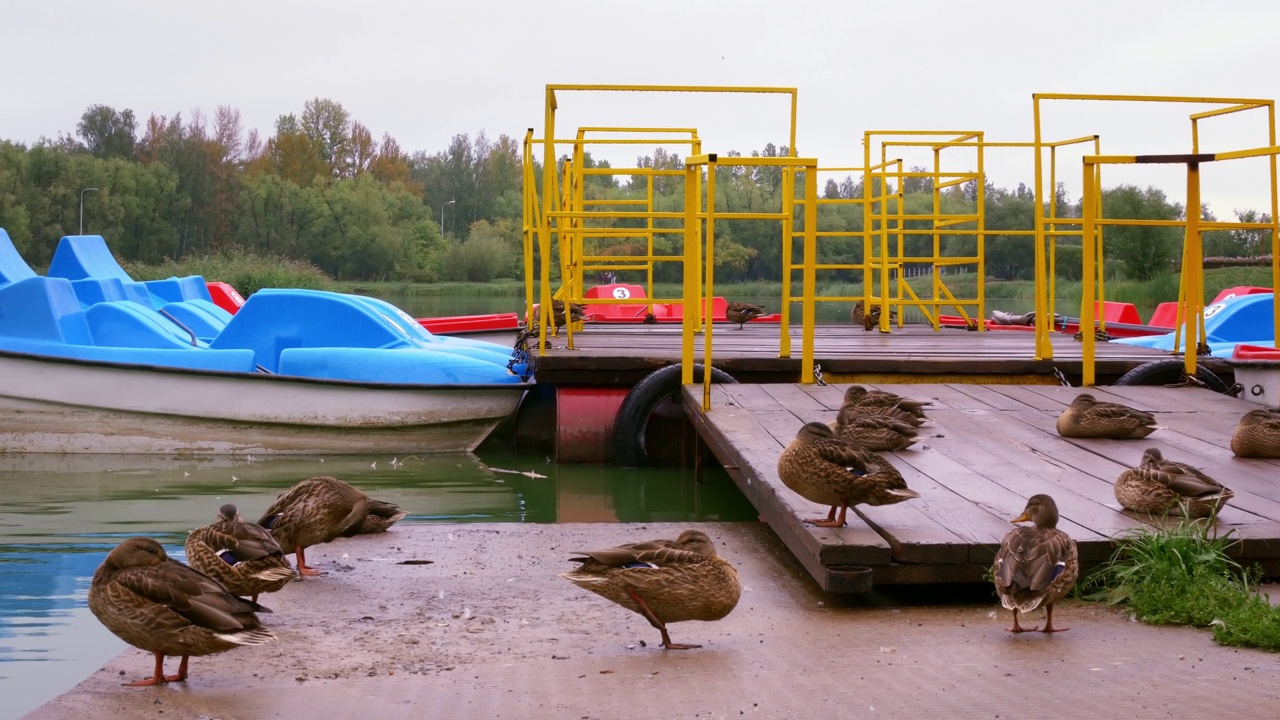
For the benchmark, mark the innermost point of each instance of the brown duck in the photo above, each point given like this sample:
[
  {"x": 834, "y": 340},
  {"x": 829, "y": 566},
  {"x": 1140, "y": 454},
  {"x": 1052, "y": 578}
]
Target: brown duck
[
  {"x": 1035, "y": 565},
  {"x": 1257, "y": 435},
  {"x": 1161, "y": 486},
  {"x": 857, "y": 397},
  {"x": 1086, "y": 417},
  {"x": 167, "y": 608},
  {"x": 318, "y": 510},
  {"x": 243, "y": 556},
  {"x": 869, "y": 319},
  {"x": 876, "y": 432},
  {"x": 741, "y": 313},
  {"x": 829, "y": 470},
  {"x": 666, "y": 581}
]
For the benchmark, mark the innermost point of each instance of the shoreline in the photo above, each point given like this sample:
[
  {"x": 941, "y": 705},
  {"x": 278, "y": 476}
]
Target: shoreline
[{"x": 487, "y": 629}]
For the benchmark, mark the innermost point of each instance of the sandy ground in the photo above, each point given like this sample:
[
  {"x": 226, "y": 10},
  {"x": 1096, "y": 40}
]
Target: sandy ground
[{"x": 488, "y": 630}]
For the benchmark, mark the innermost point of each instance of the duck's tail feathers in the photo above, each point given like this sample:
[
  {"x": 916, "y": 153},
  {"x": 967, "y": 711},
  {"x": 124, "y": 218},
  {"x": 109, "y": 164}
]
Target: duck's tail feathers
[
  {"x": 275, "y": 573},
  {"x": 259, "y": 636}
]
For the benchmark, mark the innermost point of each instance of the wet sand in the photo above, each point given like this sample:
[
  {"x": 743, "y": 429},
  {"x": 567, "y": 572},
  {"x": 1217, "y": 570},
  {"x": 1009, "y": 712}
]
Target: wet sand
[{"x": 488, "y": 630}]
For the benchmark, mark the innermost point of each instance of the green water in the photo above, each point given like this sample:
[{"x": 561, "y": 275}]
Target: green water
[{"x": 60, "y": 514}]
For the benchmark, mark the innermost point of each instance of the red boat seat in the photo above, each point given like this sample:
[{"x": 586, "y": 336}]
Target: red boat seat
[
  {"x": 1165, "y": 316},
  {"x": 1118, "y": 312}
]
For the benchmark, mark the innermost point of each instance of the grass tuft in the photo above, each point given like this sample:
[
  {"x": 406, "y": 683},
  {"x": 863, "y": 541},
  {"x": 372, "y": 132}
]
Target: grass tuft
[{"x": 1181, "y": 575}]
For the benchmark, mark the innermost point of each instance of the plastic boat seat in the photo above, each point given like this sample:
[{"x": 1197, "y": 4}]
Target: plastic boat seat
[
  {"x": 40, "y": 308},
  {"x": 12, "y": 267}
]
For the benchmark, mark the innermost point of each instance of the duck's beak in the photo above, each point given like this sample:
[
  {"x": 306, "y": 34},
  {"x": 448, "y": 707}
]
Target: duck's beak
[{"x": 1021, "y": 518}]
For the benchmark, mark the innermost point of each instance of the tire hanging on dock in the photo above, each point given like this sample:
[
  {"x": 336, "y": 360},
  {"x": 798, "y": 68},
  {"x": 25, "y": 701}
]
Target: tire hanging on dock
[
  {"x": 1168, "y": 372},
  {"x": 632, "y": 420}
]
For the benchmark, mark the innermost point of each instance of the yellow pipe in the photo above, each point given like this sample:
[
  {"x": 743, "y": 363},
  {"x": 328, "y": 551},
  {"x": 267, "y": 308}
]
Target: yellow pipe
[
  {"x": 1088, "y": 211},
  {"x": 808, "y": 319},
  {"x": 709, "y": 291},
  {"x": 1194, "y": 265}
]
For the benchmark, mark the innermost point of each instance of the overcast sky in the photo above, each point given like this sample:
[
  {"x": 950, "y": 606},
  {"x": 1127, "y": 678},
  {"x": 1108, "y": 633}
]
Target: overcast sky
[{"x": 425, "y": 71}]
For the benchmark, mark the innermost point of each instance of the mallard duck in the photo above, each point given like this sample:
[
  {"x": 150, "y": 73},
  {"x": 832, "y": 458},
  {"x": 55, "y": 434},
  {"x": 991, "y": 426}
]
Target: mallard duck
[
  {"x": 312, "y": 512},
  {"x": 576, "y": 313},
  {"x": 876, "y": 432},
  {"x": 1035, "y": 565},
  {"x": 666, "y": 581},
  {"x": 857, "y": 397},
  {"x": 167, "y": 608},
  {"x": 1088, "y": 418},
  {"x": 741, "y": 313},
  {"x": 241, "y": 555},
  {"x": 1160, "y": 486},
  {"x": 869, "y": 319},
  {"x": 1257, "y": 435},
  {"x": 382, "y": 515},
  {"x": 891, "y": 413},
  {"x": 833, "y": 471}
]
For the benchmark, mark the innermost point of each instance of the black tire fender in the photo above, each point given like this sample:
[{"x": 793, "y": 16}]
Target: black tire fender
[
  {"x": 632, "y": 420},
  {"x": 1167, "y": 372}
]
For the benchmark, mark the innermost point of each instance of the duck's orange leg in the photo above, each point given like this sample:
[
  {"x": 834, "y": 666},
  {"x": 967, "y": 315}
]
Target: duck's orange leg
[
  {"x": 159, "y": 678},
  {"x": 1048, "y": 622},
  {"x": 654, "y": 621},
  {"x": 831, "y": 520},
  {"x": 302, "y": 564},
  {"x": 1016, "y": 627}
]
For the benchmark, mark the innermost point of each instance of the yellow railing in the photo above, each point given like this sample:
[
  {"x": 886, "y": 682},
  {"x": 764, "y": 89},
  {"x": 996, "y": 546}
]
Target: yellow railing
[
  {"x": 1193, "y": 255},
  {"x": 1191, "y": 288},
  {"x": 702, "y": 297},
  {"x": 563, "y": 216}
]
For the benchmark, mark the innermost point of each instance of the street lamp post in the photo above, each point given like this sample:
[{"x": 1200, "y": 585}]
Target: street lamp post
[
  {"x": 450, "y": 202},
  {"x": 82, "y": 192}
]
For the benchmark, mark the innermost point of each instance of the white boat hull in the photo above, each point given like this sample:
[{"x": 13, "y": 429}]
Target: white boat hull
[{"x": 53, "y": 405}]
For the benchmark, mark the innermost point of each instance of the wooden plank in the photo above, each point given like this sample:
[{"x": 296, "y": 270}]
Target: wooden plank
[
  {"x": 1000, "y": 449},
  {"x": 990, "y": 448},
  {"x": 739, "y": 439}
]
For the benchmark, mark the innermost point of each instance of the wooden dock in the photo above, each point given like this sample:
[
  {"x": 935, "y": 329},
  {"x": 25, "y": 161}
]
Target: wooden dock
[
  {"x": 988, "y": 449},
  {"x": 623, "y": 354}
]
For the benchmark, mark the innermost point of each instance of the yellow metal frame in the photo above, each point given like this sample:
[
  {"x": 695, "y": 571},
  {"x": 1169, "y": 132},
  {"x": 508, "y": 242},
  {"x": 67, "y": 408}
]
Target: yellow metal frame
[
  {"x": 695, "y": 296},
  {"x": 562, "y": 212},
  {"x": 1193, "y": 255},
  {"x": 1191, "y": 286}
]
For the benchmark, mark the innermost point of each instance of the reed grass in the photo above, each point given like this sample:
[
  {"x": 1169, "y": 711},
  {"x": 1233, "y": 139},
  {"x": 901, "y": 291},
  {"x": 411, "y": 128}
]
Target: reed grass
[{"x": 1182, "y": 575}]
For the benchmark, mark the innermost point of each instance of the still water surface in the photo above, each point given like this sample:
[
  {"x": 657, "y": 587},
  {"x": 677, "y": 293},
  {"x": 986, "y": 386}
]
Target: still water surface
[{"x": 60, "y": 515}]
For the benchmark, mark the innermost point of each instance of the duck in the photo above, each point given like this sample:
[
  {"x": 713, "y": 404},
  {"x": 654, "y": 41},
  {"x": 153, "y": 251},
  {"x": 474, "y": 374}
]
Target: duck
[
  {"x": 576, "y": 312},
  {"x": 889, "y": 412},
  {"x": 1160, "y": 486},
  {"x": 829, "y": 470},
  {"x": 869, "y": 319},
  {"x": 382, "y": 515},
  {"x": 167, "y": 608},
  {"x": 876, "y": 432},
  {"x": 1035, "y": 565},
  {"x": 243, "y": 556},
  {"x": 857, "y": 397},
  {"x": 741, "y": 313},
  {"x": 1257, "y": 435},
  {"x": 666, "y": 581},
  {"x": 314, "y": 511},
  {"x": 1086, "y": 417}
]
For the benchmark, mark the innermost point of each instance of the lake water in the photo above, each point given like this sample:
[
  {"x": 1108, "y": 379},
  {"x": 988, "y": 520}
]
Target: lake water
[{"x": 61, "y": 514}]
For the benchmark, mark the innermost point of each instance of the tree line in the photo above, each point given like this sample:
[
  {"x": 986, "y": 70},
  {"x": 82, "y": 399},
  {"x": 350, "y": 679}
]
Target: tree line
[{"x": 322, "y": 189}]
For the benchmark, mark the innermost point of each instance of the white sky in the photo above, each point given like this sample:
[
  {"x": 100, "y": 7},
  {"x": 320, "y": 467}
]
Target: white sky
[{"x": 425, "y": 71}]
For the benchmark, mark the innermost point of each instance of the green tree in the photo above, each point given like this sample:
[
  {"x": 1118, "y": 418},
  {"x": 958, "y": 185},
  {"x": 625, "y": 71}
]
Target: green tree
[
  {"x": 1143, "y": 251},
  {"x": 107, "y": 132}
]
